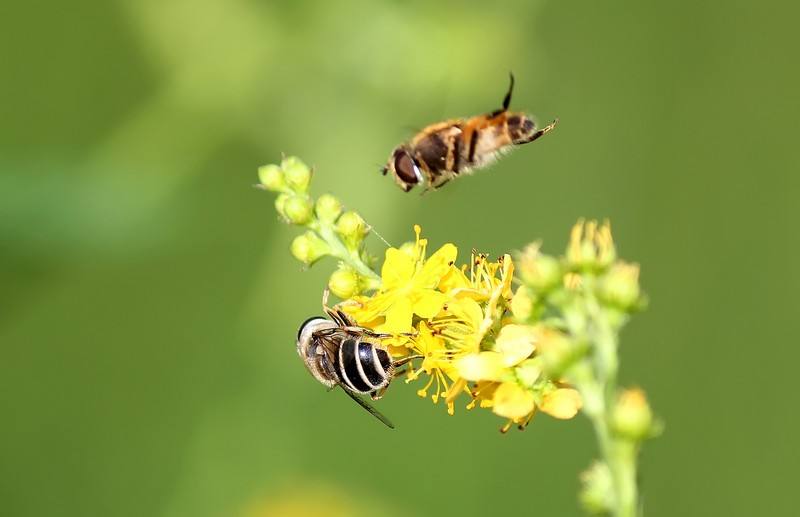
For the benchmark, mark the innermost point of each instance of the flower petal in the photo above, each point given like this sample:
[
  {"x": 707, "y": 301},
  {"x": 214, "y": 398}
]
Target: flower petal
[
  {"x": 515, "y": 343},
  {"x": 436, "y": 267},
  {"x": 511, "y": 401},
  {"x": 485, "y": 366},
  {"x": 429, "y": 303},
  {"x": 398, "y": 317},
  {"x": 397, "y": 270},
  {"x": 562, "y": 403}
]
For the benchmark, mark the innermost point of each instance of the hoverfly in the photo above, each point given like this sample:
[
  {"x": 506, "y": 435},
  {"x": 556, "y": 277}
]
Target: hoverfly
[
  {"x": 446, "y": 150},
  {"x": 337, "y": 352}
]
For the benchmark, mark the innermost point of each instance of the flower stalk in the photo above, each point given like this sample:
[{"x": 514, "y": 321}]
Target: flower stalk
[
  {"x": 329, "y": 231},
  {"x": 550, "y": 345}
]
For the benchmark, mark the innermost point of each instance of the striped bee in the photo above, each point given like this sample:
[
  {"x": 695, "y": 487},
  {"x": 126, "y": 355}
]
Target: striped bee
[
  {"x": 339, "y": 353},
  {"x": 445, "y": 150}
]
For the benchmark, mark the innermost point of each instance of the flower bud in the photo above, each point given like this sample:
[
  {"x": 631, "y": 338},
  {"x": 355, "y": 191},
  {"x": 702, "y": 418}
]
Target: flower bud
[
  {"x": 328, "y": 208},
  {"x": 620, "y": 286},
  {"x": 522, "y": 304},
  {"x": 280, "y": 202},
  {"x": 597, "y": 492},
  {"x": 308, "y": 248},
  {"x": 557, "y": 351},
  {"x": 632, "y": 416},
  {"x": 344, "y": 283},
  {"x": 591, "y": 246},
  {"x": 352, "y": 228},
  {"x": 539, "y": 271},
  {"x": 297, "y": 173},
  {"x": 298, "y": 210},
  {"x": 271, "y": 177},
  {"x": 529, "y": 371}
]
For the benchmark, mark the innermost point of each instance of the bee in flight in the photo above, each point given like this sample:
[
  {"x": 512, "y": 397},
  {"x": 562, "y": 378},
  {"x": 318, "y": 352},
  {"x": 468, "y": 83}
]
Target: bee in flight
[
  {"x": 339, "y": 353},
  {"x": 445, "y": 150}
]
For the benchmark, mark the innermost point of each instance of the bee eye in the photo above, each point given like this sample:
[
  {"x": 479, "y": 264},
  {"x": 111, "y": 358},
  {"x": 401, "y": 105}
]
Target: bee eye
[
  {"x": 405, "y": 168},
  {"x": 305, "y": 324}
]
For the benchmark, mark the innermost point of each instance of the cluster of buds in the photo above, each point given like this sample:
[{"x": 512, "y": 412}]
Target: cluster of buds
[
  {"x": 550, "y": 345},
  {"x": 582, "y": 300},
  {"x": 329, "y": 229}
]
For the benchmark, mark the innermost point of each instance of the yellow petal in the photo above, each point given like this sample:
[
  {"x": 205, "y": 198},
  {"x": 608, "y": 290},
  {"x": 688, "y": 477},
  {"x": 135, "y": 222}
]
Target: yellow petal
[
  {"x": 466, "y": 310},
  {"x": 453, "y": 279},
  {"x": 429, "y": 303},
  {"x": 398, "y": 317},
  {"x": 397, "y": 270},
  {"x": 511, "y": 401},
  {"x": 562, "y": 403},
  {"x": 515, "y": 343},
  {"x": 485, "y": 366},
  {"x": 436, "y": 267}
]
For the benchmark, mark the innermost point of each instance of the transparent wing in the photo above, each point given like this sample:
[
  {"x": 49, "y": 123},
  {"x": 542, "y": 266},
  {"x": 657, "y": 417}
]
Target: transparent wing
[{"x": 366, "y": 405}]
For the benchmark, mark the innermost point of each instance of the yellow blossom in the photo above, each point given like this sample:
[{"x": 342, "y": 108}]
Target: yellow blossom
[
  {"x": 409, "y": 285},
  {"x": 513, "y": 402},
  {"x": 563, "y": 403},
  {"x": 436, "y": 364}
]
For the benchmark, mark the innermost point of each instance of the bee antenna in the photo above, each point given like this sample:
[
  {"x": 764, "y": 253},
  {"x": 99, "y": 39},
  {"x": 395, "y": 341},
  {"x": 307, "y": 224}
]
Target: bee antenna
[
  {"x": 507, "y": 98},
  {"x": 373, "y": 230}
]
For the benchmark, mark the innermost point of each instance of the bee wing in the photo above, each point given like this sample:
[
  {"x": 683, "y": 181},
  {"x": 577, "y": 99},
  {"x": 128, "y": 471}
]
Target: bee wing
[{"x": 366, "y": 405}]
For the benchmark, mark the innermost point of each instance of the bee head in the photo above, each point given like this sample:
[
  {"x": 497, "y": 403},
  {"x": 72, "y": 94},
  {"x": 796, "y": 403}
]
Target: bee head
[
  {"x": 404, "y": 169},
  {"x": 520, "y": 128},
  {"x": 307, "y": 329}
]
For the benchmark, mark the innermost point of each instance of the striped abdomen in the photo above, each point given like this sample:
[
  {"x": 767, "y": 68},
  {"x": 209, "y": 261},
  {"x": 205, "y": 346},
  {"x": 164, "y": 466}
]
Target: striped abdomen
[{"x": 362, "y": 366}]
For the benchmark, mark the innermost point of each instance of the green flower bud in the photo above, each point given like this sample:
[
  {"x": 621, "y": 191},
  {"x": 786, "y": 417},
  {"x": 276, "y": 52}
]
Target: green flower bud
[
  {"x": 352, "y": 228},
  {"x": 328, "y": 208},
  {"x": 298, "y": 210},
  {"x": 529, "y": 371},
  {"x": 620, "y": 286},
  {"x": 271, "y": 177},
  {"x": 597, "y": 492},
  {"x": 632, "y": 416},
  {"x": 539, "y": 271},
  {"x": 344, "y": 283},
  {"x": 297, "y": 173},
  {"x": 280, "y": 202},
  {"x": 308, "y": 248},
  {"x": 557, "y": 351}
]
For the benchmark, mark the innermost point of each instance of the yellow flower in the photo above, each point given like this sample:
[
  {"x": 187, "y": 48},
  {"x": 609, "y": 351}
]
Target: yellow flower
[
  {"x": 513, "y": 402},
  {"x": 437, "y": 365},
  {"x": 563, "y": 403},
  {"x": 409, "y": 286}
]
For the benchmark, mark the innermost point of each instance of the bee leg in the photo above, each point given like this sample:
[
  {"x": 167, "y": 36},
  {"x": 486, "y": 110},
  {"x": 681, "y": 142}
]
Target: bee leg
[
  {"x": 335, "y": 314},
  {"x": 541, "y": 132},
  {"x": 401, "y": 362},
  {"x": 377, "y": 395},
  {"x": 507, "y": 98}
]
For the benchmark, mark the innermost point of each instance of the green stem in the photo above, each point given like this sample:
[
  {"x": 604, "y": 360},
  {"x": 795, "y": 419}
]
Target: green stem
[
  {"x": 597, "y": 382},
  {"x": 349, "y": 257}
]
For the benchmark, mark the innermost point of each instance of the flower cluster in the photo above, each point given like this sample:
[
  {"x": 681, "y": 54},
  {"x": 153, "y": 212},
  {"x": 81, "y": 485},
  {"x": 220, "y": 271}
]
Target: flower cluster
[
  {"x": 518, "y": 336},
  {"x": 460, "y": 321},
  {"x": 330, "y": 231}
]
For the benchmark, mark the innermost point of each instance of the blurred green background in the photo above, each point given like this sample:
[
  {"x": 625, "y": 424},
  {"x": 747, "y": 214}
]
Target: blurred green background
[{"x": 149, "y": 304}]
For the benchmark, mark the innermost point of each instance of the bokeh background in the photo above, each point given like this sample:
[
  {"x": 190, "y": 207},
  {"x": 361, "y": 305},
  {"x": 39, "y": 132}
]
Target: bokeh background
[{"x": 148, "y": 303}]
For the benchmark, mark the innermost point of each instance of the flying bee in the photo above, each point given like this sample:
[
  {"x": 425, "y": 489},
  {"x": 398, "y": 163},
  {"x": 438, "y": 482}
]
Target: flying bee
[
  {"x": 339, "y": 353},
  {"x": 448, "y": 149}
]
